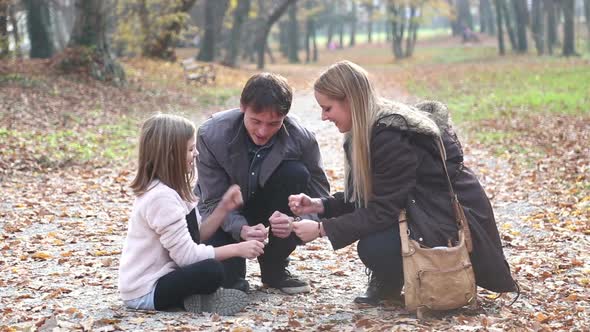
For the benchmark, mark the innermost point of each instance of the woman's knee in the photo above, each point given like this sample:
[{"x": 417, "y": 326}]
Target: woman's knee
[{"x": 378, "y": 248}]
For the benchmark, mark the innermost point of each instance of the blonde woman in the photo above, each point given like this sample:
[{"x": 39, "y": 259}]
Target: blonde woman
[{"x": 393, "y": 163}]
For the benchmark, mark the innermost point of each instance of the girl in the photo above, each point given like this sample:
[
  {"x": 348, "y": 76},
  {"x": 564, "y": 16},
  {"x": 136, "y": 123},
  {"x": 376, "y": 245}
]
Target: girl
[
  {"x": 393, "y": 163},
  {"x": 163, "y": 265}
]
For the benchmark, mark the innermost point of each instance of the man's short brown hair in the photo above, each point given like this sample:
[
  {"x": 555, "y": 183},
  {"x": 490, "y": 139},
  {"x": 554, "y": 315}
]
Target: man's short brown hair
[{"x": 267, "y": 90}]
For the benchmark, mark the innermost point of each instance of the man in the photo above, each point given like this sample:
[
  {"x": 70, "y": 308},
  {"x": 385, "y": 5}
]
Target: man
[{"x": 270, "y": 156}]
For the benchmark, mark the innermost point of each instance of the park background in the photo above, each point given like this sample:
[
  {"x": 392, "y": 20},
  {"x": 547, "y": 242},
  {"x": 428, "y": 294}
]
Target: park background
[{"x": 77, "y": 77}]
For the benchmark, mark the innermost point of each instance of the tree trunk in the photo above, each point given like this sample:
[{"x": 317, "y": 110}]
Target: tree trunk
[
  {"x": 240, "y": 15},
  {"x": 340, "y": 31},
  {"x": 39, "y": 26},
  {"x": 310, "y": 36},
  {"x": 15, "y": 31},
  {"x": 284, "y": 38},
  {"x": 569, "y": 46},
  {"x": 352, "y": 41},
  {"x": 538, "y": 26},
  {"x": 486, "y": 17},
  {"x": 521, "y": 17},
  {"x": 551, "y": 25},
  {"x": 370, "y": 10},
  {"x": 212, "y": 17},
  {"x": 412, "y": 32},
  {"x": 587, "y": 15},
  {"x": 501, "y": 48},
  {"x": 89, "y": 38},
  {"x": 508, "y": 24},
  {"x": 293, "y": 34},
  {"x": 465, "y": 20},
  {"x": 4, "y": 44},
  {"x": 264, "y": 29},
  {"x": 397, "y": 17}
]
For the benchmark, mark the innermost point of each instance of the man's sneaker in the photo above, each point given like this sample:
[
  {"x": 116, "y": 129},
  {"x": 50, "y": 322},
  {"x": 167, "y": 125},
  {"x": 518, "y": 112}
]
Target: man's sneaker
[
  {"x": 223, "y": 302},
  {"x": 288, "y": 283}
]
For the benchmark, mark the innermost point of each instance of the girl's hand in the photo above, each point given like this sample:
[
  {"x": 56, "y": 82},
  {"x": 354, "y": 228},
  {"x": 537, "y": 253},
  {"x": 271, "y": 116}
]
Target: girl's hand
[
  {"x": 232, "y": 199},
  {"x": 302, "y": 204},
  {"x": 306, "y": 230},
  {"x": 280, "y": 224},
  {"x": 250, "y": 249}
]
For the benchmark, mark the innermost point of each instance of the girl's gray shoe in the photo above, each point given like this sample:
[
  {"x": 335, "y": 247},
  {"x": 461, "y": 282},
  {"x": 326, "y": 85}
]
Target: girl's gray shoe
[{"x": 223, "y": 302}]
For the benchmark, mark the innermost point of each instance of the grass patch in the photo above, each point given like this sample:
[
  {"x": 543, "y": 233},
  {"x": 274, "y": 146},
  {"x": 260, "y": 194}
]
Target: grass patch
[
  {"x": 458, "y": 54},
  {"x": 505, "y": 90},
  {"x": 65, "y": 147},
  {"x": 24, "y": 81},
  {"x": 216, "y": 96}
]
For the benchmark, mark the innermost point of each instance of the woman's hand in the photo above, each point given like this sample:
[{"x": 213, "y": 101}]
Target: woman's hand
[
  {"x": 250, "y": 249},
  {"x": 232, "y": 199},
  {"x": 280, "y": 224},
  {"x": 306, "y": 230},
  {"x": 302, "y": 204}
]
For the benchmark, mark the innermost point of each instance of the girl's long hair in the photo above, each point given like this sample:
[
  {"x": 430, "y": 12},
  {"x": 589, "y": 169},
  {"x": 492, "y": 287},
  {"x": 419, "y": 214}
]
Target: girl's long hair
[
  {"x": 162, "y": 155},
  {"x": 346, "y": 81}
]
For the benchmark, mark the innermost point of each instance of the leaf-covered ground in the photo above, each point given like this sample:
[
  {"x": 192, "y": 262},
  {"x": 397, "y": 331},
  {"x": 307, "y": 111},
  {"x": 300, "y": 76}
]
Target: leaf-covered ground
[{"x": 67, "y": 156}]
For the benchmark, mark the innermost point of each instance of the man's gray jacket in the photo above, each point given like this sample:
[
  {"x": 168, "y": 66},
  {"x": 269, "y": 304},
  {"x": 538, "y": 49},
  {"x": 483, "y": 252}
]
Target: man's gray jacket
[{"x": 223, "y": 161}]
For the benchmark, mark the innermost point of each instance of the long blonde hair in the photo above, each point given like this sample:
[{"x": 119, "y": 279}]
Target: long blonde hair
[
  {"x": 346, "y": 81},
  {"x": 162, "y": 155}
]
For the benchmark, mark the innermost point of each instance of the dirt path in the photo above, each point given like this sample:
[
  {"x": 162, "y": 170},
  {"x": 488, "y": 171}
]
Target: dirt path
[{"x": 59, "y": 267}]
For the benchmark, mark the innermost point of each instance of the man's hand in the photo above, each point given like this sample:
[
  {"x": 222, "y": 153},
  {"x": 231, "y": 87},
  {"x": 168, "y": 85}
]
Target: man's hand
[
  {"x": 280, "y": 224},
  {"x": 232, "y": 199},
  {"x": 302, "y": 204},
  {"x": 257, "y": 232}
]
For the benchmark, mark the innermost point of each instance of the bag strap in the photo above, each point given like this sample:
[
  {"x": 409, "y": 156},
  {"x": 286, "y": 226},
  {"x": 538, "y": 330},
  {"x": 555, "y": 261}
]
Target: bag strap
[
  {"x": 403, "y": 233},
  {"x": 457, "y": 208}
]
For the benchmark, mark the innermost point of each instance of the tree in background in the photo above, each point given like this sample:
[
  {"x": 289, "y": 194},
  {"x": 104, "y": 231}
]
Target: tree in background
[
  {"x": 88, "y": 46},
  {"x": 521, "y": 15},
  {"x": 353, "y": 20},
  {"x": 587, "y": 16},
  {"x": 404, "y": 18},
  {"x": 464, "y": 17},
  {"x": 240, "y": 15},
  {"x": 486, "y": 17},
  {"x": 293, "y": 34},
  {"x": 551, "y": 30},
  {"x": 151, "y": 27},
  {"x": 214, "y": 13},
  {"x": 499, "y": 24},
  {"x": 537, "y": 26},
  {"x": 39, "y": 27},
  {"x": 569, "y": 45},
  {"x": 313, "y": 12},
  {"x": 264, "y": 27},
  {"x": 369, "y": 6},
  {"x": 508, "y": 23},
  {"x": 4, "y": 42}
]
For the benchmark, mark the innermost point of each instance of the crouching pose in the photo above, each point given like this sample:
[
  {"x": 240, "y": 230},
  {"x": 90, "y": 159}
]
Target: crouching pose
[{"x": 393, "y": 163}]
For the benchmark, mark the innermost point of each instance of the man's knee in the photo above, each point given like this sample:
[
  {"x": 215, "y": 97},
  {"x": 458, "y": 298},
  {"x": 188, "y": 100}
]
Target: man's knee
[{"x": 291, "y": 172}]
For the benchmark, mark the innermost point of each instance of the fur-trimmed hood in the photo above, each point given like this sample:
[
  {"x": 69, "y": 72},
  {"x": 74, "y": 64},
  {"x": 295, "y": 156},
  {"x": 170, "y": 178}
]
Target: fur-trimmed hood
[{"x": 428, "y": 117}]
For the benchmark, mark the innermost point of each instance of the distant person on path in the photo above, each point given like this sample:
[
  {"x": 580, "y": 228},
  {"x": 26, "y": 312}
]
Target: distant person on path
[
  {"x": 164, "y": 264},
  {"x": 270, "y": 156},
  {"x": 393, "y": 163}
]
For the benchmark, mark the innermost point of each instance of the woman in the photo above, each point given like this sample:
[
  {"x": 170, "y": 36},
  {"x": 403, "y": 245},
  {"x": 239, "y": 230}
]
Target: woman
[{"x": 393, "y": 163}]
